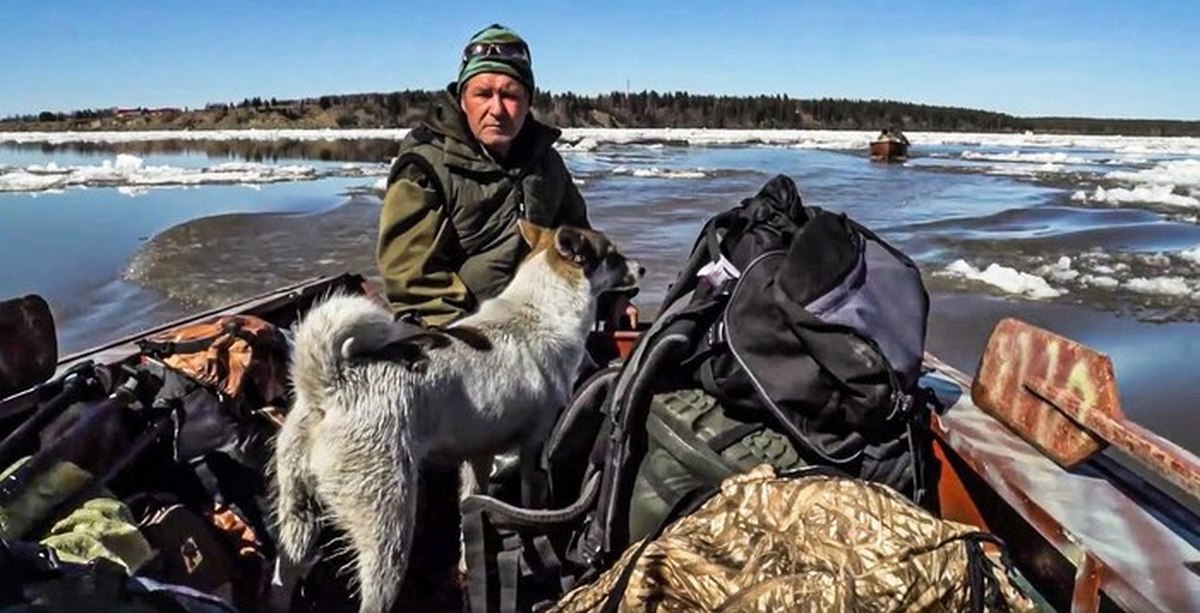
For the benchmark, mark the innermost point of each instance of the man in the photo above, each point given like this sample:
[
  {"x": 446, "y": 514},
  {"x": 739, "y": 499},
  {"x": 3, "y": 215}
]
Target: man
[{"x": 448, "y": 233}]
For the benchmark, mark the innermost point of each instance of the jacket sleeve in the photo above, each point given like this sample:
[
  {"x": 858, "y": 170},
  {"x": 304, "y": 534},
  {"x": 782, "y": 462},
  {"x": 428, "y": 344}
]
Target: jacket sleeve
[{"x": 419, "y": 253}]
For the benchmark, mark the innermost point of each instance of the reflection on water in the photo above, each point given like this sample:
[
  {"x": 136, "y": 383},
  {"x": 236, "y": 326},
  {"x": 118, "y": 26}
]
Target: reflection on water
[{"x": 341, "y": 150}]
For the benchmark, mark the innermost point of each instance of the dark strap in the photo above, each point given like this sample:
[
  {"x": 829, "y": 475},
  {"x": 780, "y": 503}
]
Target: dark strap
[
  {"x": 474, "y": 548},
  {"x": 508, "y": 567},
  {"x": 551, "y": 564},
  {"x": 713, "y": 241},
  {"x": 686, "y": 504},
  {"x": 427, "y": 169}
]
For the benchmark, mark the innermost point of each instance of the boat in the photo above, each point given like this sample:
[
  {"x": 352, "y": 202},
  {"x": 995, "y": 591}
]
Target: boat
[
  {"x": 889, "y": 146},
  {"x": 1097, "y": 536}
]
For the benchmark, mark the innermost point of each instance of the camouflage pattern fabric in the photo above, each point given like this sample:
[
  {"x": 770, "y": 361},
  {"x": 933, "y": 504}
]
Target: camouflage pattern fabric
[
  {"x": 226, "y": 353},
  {"x": 817, "y": 543}
]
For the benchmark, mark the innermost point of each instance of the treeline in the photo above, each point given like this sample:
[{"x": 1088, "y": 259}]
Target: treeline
[
  {"x": 1086, "y": 125},
  {"x": 647, "y": 109}
]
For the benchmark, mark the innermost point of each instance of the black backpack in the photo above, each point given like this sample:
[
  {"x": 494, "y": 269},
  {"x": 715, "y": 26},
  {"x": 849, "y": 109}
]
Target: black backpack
[
  {"x": 788, "y": 315},
  {"x": 806, "y": 316}
]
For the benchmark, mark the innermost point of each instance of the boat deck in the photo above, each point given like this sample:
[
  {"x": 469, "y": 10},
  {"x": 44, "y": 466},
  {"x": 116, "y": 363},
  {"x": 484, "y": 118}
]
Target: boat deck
[{"x": 1129, "y": 545}]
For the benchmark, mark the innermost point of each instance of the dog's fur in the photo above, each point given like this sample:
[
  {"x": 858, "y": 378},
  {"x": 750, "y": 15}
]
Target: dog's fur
[{"x": 361, "y": 424}]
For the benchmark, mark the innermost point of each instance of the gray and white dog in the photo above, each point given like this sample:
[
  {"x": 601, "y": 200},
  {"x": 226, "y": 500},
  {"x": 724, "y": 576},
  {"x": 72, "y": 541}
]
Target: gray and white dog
[{"x": 349, "y": 450}]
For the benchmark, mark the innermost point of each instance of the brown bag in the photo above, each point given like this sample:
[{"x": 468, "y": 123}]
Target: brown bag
[
  {"x": 814, "y": 543},
  {"x": 235, "y": 354},
  {"x": 189, "y": 552}
]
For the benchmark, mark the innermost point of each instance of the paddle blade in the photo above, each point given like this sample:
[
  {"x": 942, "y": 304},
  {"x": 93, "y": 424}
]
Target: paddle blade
[
  {"x": 28, "y": 344},
  {"x": 1020, "y": 356}
]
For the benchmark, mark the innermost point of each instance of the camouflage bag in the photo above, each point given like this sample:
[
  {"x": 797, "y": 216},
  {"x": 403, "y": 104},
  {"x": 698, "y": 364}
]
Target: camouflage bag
[
  {"x": 807, "y": 543},
  {"x": 231, "y": 374}
]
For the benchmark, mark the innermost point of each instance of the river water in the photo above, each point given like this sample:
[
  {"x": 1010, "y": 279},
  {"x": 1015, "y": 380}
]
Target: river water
[{"x": 1095, "y": 238}]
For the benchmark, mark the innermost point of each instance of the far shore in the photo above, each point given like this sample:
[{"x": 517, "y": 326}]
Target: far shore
[{"x": 588, "y": 137}]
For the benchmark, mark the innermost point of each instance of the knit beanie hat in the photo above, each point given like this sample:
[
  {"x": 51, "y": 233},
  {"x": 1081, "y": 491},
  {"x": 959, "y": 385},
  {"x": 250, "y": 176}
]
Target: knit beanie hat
[{"x": 497, "y": 49}]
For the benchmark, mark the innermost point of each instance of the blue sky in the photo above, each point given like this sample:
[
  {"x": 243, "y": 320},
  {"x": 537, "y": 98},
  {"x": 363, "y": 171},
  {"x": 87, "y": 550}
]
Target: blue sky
[{"x": 1099, "y": 58}]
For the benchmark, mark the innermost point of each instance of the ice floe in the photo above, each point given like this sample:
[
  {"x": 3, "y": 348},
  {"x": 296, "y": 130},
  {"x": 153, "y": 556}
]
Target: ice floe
[
  {"x": 1153, "y": 194},
  {"x": 1171, "y": 172},
  {"x": 1031, "y": 158},
  {"x": 130, "y": 171},
  {"x": 654, "y": 172},
  {"x": 1165, "y": 286},
  {"x": 590, "y": 138},
  {"x": 1191, "y": 255},
  {"x": 1005, "y": 278}
]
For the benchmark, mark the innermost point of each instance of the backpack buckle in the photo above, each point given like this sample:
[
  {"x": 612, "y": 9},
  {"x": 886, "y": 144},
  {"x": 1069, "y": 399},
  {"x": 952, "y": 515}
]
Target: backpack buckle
[{"x": 902, "y": 404}]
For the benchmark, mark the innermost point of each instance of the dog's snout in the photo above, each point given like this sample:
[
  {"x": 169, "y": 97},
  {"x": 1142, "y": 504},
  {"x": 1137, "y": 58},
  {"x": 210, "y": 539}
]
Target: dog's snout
[{"x": 637, "y": 270}]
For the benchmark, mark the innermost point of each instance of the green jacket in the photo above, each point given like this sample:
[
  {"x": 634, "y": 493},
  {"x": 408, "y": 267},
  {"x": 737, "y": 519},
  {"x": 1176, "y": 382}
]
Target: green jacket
[{"x": 450, "y": 240}]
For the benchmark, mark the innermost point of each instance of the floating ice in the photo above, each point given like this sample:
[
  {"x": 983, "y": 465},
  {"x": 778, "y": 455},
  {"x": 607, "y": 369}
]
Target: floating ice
[
  {"x": 130, "y": 170},
  {"x": 1191, "y": 255},
  {"x": 1100, "y": 281},
  {"x": 1008, "y": 279},
  {"x": 1017, "y": 156},
  {"x": 587, "y": 144},
  {"x": 1171, "y": 172},
  {"x": 654, "y": 172},
  {"x": 1060, "y": 270},
  {"x": 1166, "y": 286},
  {"x": 1025, "y": 170},
  {"x": 1145, "y": 147},
  {"x": 1153, "y": 194}
]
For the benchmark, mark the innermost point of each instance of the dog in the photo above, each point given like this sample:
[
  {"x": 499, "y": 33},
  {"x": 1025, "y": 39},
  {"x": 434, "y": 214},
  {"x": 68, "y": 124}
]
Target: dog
[{"x": 366, "y": 415}]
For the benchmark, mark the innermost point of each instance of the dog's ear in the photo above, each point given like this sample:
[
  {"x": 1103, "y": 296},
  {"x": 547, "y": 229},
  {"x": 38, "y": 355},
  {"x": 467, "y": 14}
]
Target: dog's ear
[
  {"x": 573, "y": 244},
  {"x": 531, "y": 232}
]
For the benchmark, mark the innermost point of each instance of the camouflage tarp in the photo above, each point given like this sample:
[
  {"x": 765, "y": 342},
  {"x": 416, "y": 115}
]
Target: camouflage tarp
[{"x": 812, "y": 543}]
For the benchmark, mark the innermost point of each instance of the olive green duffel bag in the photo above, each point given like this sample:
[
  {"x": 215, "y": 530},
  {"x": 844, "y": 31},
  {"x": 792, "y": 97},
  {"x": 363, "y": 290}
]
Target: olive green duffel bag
[{"x": 692, "y": 440}]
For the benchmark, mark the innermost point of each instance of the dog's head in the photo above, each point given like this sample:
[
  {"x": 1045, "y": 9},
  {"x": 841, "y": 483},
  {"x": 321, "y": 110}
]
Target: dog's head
[{"x": 581, "y": 253}]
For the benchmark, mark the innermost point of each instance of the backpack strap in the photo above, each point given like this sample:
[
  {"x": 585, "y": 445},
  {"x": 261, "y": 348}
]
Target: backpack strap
[
  {"x": 688, "y": 503},
  {"x": 706, "y": 249}
]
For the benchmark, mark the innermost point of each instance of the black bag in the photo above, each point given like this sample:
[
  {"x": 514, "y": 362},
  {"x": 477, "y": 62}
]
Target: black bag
[
  {"x": 808, "y": 317},
  {"x": 794, "y": 317},
  {"x": 36, "y": 580}
]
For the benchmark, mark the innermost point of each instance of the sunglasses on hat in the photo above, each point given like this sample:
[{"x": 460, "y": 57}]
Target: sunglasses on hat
[{"x": 505, "y": 51}]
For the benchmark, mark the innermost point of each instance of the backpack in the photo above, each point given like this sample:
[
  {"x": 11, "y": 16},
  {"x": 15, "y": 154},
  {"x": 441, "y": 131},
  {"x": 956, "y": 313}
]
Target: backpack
[
  {"x": 806, "y": 318},
  {"x": 801, "y": 324}
]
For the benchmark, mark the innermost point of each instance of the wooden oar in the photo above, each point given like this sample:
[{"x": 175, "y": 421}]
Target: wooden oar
[
  {"x": 28, "y": 344},
  {"x": 1061, "y": 396}
]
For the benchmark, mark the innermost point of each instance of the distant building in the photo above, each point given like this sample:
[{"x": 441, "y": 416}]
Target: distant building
[{"x": 145, "y": 112}]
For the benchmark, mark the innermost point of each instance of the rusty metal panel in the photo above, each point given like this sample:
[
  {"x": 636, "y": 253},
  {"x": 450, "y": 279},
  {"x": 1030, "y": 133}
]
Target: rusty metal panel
[
  {"x": 1142, "y": 563},
  {"x": 1017, "y": 353}
]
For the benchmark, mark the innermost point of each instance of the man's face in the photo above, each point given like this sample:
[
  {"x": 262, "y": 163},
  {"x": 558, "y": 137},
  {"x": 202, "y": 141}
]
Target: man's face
[{"x": 496, "y": 106}]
